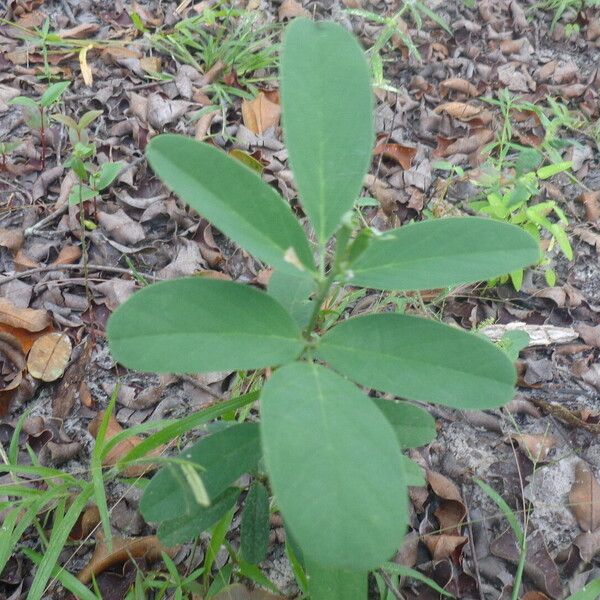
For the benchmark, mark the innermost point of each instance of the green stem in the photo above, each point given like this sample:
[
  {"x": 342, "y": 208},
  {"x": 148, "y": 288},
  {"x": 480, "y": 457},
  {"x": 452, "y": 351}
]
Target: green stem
[{"x": 341, "y": 251}]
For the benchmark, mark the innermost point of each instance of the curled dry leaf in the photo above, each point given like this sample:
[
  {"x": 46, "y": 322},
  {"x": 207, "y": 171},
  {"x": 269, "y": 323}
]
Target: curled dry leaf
[
  {"x": 535, "y": 447},
  {"x": 535, "y": 595},
  {"x": 49, "y": 356},
  {"x": 260, "y": 114},
  {"x": 121, "y": 449},
  {"x": 291, "y": 9},
  {"x": 584, "y": 498},
  {"x": 464, "y": 112},
  {"x": 403, "y": 155},
  {"x": 12, "y": 362},
  {"x": 148, "y": 548},
  {"x": 451, "y": 511},
  {"x": 591, "y": 203},
  {"x": 25, "y": 318},
  {"x": 456, "y": 84},
  {"x": 445, "y": 546}
]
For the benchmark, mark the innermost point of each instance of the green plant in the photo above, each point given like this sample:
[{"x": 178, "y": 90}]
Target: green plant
[
  {"x": 332, "y": 454},
  {"x": 393, "y": 29},
  {"x": 5, "y": 149},
  {"x": 92, "y": 180},
  {"x": 511, "y": 199},
  {"x": 228, "y": 39},
  {"x": 560, "y": 7},
  {"x": 36, "y": 111}
]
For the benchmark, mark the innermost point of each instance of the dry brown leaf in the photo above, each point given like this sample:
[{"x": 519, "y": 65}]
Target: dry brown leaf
[
  {"x": 148, "y": 548},
  {"x": 535, "y": 596},
  {"x": 122, "y": 448},
  {"x": 403, "y": 155},
  {"x": 584, "y": 498},
  {"x": 24, "y": 318},
  {"x": 11, "y": 239},
  {"x": 49, "y": 356},
  {"x": 83, "y": 30},
  {"x": 464, "y": 112},
  {"x": 469, "y": 144},
  {"x": 151, "y": 64},
  {"x": 591, "y": 203},
  {"x": 24, "y": 262},
  {"x": 86, "y": 523},
  {"x": 456, "y": 84},
  {"x": 86, "y": 71},
  {"x": 588, "y": 236},
  {"x": 290, "y": 9},
  {"x": 535, "y": 447},
  {"x": 260, "y": 114},
  {"x": 451, "y": 511},
  {"x": 68, "y": 255},
  {"x": 26, "y": 338},
  {"x": 444, "y": 546}
]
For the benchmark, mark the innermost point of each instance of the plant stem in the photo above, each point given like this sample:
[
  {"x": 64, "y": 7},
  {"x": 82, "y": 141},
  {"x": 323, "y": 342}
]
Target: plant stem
[{"x": 43, "y": 138}]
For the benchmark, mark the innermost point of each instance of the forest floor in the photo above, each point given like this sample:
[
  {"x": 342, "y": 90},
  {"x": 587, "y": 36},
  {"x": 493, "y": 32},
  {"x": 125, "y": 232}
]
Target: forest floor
[{"x": 438, "y": 148}]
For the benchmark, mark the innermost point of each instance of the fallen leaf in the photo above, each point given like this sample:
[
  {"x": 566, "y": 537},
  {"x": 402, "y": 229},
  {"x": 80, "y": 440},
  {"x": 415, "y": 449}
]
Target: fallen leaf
[
  {"x": 451, "y": 510},
  {"x": 25, "y": 318},
  {"x": 148, "y": 548},
  {"x": 122, "y": 448},
  {"x": 49, "y": 356},
  {"x": 86, "y": 72},
  {"x": 456, "y": 84},
  {"x": 260, "y": 114},
  {"x": 584, "y": 498},
  {"x": 26, "y": 338},
  {"x": 11, "y": 239},
  {"x": 535, "y": 447},
  {"x": 68, "y": 255},
  {"x": 539, "y": 565},
  {"x": 121, "y": 228},
  {"x": 464, "y": 112},
  {"x": 535, "y": 595},
  {"x": 403, "y": 155},
  {"x": 591, "y": 203},
  {"x": 445, "y": 546},
  {"x": 290, "y": 9}
]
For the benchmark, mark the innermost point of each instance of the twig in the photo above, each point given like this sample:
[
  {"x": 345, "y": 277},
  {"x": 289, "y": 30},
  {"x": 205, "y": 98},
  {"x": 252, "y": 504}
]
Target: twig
[
  {"x": 49, "y": 268},
  {"x": 390, "y": 586},
  {"x": 203, "y": 387},
  {"x": 565, "y": 415},
  {"x": 472, "y": 545}
]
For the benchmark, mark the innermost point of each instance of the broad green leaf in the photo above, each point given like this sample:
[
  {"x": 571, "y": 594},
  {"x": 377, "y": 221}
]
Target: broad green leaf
[
  {"x": 108, "y": 173},
  {"x": 551, "y": 170},
  {"x": 414, "y": 473},
  {"x": 53, "y": 93},
  {"x": 311, "y": 421},
  {"x": 420, "y": 359},
  {"x": 336, "y": 584},
  {"x": 88, "y": 118},
  {"x": 232, "y": 197},
  {"x": 292, "y": 291},
  {"x": 254, "y": 529},
  {"x": 327, "y": 118},
  {"x": 414, "y": 426},
  {"x": 590, "y": 591},
  {"x": 222, "y": 458},
  {"x": 198, "y": 325},
  {"x": 28, "y": 103},
  {"x": 443, "y": 252},
  {"x": 187, "y": 527}
]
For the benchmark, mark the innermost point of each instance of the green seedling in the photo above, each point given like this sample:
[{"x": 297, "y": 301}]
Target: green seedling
[
  {"x": 392, "y": 29},
  {"x": 332, "y": 455},
  {"x": 36, "y": 111},
  {"x": 229, "y": 40},
  {"x": 78, "y": 133},
  {"x": 7, "y": 148},
  {"x": 560, "y": 7},
  {"x": 512, "y": 198}
]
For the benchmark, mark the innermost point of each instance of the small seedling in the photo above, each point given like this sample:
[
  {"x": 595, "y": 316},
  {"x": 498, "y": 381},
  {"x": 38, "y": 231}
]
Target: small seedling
[
  {"x": 393, "y": 29},
  {"x": 332, "y": 454},
  {"x": 78, "y": 133},
  {"x": 7, "y": 148},
  {"x": 36, "y": 111}
]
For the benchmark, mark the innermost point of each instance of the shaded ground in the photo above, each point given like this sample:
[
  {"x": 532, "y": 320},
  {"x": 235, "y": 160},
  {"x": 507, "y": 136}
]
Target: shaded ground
[{"x": 541, "y": 454}]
